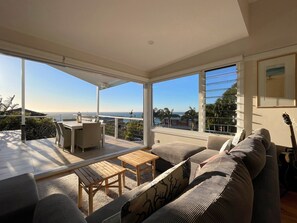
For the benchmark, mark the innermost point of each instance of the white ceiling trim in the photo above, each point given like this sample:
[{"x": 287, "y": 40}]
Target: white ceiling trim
[{"x": 198, "y": 69}]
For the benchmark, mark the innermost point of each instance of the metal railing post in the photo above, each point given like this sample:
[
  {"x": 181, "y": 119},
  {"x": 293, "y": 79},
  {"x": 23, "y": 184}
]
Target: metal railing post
[{"x": 116, "y": 128}]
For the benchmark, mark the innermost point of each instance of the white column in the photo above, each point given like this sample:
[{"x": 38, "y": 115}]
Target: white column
[
  {"x": 202, "y": 101},
  {"x": 98, "y": 99},
  {"x": 147, "y": 113},
  {"x": 23, "y": 126}
]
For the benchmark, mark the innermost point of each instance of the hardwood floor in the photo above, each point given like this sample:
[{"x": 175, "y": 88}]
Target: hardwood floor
[{"x": 289, "y": 207}]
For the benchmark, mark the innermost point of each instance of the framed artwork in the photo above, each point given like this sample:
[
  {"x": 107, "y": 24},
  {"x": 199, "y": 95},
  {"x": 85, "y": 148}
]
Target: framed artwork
[{"x": 277, "y": 81}]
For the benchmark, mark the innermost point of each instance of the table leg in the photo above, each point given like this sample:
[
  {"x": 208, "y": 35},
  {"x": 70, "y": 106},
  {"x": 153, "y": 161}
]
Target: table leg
[
  {"x": 138, "y": 175},
  {"x": 79, "y": 198},
  {"x": 154, "y": 169},
  {"x": 120, "y": 183},
  {"x": 72, "y": 140},
  {"x": 106, "y": 186},
  {"x": 124, "y": 174},
  {"x": 90, "y": 199}
]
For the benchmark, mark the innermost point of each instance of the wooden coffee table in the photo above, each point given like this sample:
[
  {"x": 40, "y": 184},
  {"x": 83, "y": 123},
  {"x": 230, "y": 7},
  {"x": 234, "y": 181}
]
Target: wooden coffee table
[
  {"x": 142, "y": 161},
  {"x": 92, "y": 178}
]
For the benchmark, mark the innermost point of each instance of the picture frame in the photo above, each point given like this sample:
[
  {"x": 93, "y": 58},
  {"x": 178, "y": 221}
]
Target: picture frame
[{"x": 277, "y": 81}]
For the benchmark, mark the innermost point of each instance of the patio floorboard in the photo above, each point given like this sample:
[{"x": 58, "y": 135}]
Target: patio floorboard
[{"x": 36, "y": 156}]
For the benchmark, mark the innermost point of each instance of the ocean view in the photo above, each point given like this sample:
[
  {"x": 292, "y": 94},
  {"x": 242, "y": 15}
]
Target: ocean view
[
  {"x": 59, "y": 116},
  {"x": 69, "y": 115}
]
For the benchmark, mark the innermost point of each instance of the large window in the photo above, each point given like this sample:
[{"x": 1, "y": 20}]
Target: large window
[
  {"x": 175, "y": 103},
  {"x": 221, "y": 98}
]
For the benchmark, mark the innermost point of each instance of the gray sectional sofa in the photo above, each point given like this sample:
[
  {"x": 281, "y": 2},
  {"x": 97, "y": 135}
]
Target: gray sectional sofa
[
  {"x": 174, "y": 152},
  {"x": 236, "y": 186}
]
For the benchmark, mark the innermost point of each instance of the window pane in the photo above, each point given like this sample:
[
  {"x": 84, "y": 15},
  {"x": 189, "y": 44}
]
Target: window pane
[
  {"x": 221, "y": 90},
  {"x": 10, "y": 92},
  {"x": 175, "y": 103}
]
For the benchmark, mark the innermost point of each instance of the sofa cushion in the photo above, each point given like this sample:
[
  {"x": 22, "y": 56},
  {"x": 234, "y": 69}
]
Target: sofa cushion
[
  {"x": 223, "y": 192},
  {"x": 57, "y": 208},
  {"x": 18, "y": 198},
  {"x": 156, "y": 194},
  {"x": 215, "y": 142},
  {"x": 253, "y": 154},
  {"x": 114, "y": 207},
  {"x": 203, "y": 155},
  {"x": 176, "y": 152},
  {"x": 264, "y": 136}
]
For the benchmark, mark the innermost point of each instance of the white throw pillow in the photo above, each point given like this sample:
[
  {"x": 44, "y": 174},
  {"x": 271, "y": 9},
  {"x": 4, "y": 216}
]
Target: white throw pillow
[
  {"x": 238, "y": 137},
  {"x": 226, "y": 146}
]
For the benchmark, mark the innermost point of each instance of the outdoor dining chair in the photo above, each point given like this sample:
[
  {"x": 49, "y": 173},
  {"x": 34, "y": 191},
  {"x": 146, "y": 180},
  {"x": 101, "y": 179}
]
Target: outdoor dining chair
[
  {"x": 65, "y": 137},
  {"x": 89, "y": 136}
]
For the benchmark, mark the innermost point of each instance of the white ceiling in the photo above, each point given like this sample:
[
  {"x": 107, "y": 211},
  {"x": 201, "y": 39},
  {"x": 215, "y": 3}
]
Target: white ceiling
[{"x": 121, "y": 30}]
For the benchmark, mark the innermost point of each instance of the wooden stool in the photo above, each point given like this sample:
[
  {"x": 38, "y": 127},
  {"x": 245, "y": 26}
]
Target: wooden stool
[{"x": 92, "y": 178}]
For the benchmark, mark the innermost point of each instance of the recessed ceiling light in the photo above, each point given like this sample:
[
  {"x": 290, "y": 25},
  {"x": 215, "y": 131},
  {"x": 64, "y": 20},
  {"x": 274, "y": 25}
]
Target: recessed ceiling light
[{"x": 150, "y": 42}]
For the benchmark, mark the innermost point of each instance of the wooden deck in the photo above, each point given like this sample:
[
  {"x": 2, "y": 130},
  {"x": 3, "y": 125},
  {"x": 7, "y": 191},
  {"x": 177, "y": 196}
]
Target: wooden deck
[{"x": 36, "y": 156}]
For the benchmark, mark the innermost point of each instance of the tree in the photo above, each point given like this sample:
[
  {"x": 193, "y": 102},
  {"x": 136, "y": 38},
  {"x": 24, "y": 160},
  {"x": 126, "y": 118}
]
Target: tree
[
  {"x": 131, "y": 113},
  {"x": 191, "y": 115},
  {"x": 159, "y": 113},
  {"x": 168, "y": 114},
  {"x": 134, "y": 130},
  {"x": 223, "y": 111},
  {"x": 6, "y": 105}
]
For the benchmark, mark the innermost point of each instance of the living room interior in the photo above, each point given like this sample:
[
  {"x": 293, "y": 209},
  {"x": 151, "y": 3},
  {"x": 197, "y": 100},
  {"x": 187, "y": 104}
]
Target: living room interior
[{"x": 151, "y": 42}]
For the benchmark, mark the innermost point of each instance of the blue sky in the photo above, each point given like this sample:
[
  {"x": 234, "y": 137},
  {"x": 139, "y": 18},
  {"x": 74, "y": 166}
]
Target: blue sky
[{"x": 50, "y": 90}]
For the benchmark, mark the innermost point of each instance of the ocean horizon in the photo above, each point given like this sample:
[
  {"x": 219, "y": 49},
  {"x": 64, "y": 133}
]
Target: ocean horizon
[{"x": 70, "y": 115}]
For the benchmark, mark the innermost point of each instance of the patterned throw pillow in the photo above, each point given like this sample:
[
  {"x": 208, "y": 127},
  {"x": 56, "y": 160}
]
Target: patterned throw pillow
[{"x": 165, "y": 188}]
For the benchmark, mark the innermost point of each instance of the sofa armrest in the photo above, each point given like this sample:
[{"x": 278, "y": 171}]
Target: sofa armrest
[
  {"x": 19, "y": 197},
  {"x": 57, "y": 208},
  {"x": 216, "y": 142},
  {"x": 266, "y": 188}
]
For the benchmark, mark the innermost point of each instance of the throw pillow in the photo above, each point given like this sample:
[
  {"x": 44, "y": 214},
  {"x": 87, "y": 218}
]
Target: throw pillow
[
  {"x": 253, "y": 154},
  {"x": 226, "y": 146},
  {"x": 239, "y": 136},
  {"x": 158, "y": 193},
  {"x": 264, "y": 136}
]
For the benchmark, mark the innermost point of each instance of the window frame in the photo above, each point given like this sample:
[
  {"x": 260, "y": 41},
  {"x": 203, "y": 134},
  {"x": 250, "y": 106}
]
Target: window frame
[{"x": 200, "y": 70}]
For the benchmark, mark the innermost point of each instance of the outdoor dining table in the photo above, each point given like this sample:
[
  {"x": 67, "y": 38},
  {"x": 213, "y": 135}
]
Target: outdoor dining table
[{"x": 74, "y": 125}]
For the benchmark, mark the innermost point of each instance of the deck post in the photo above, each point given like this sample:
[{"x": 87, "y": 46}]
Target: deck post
[
  {"x": 147, "y": 114},
  {"x": 98, "y": 99},
  {"x": 23, "y": 124},
  {"x": 116, "y": 128}
]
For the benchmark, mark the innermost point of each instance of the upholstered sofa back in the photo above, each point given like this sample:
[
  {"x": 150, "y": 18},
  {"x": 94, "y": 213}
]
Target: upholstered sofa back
[{"x": 236, "y": 186}]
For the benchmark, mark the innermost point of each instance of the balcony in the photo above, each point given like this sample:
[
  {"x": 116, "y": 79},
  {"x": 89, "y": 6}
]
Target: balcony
[{"x": 44, "y": 158}]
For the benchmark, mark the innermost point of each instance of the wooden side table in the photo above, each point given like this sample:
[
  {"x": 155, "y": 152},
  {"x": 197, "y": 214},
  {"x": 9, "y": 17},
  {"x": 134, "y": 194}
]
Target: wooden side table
[
  {"x": 92, "y": 178},
  {"x": 138, "y": 159}
]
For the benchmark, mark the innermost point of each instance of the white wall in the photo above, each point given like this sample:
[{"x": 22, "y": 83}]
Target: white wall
[{"x": 273, "y": 32}]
